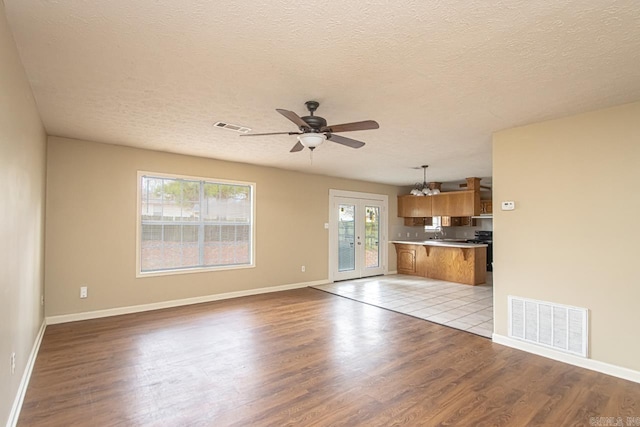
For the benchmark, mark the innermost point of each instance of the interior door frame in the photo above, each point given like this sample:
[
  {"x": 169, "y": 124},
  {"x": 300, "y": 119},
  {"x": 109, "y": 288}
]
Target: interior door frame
[{"x": 383, "y": 246}]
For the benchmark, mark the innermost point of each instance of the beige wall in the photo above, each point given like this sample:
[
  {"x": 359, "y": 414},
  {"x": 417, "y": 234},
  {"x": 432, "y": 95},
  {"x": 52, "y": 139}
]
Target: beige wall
[
  {"x": 22, "y": 185},
  {"x": 572, "y": 238},
  {"x": 91, "y": 226}
]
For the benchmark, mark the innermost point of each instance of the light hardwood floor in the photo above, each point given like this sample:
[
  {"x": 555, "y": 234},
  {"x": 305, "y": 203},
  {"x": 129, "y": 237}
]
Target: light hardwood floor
[{"x": 302, "y": 357}]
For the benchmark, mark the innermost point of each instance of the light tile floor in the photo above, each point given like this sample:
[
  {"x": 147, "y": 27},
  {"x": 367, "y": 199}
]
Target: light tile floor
[{"x": 469, "y": 308}]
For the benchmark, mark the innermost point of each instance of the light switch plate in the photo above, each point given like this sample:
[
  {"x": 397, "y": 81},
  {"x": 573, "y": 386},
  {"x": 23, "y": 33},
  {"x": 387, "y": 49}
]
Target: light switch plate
[{"x": 508, "y": 205}]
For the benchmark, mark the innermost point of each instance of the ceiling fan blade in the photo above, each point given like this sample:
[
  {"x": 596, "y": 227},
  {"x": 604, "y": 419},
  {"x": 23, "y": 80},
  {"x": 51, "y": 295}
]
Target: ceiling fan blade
[
  {"x": 345, "y": 141},
  {"x": 297, "y": 147},
  {"x": 294, "y": 118},
  {"x": 346, "y": 127},
  {"x": 271, "y": 133}
]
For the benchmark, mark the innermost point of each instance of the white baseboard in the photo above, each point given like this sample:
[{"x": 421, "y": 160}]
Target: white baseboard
[
  {"x": 594, "y": 365},
  {"x": 64, "y": 318},
  {"x": 26, "y": 376}
]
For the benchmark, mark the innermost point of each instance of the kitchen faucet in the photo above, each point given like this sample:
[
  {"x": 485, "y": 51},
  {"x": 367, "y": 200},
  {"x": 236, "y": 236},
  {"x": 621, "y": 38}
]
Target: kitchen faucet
[{"x": 439, "y": 233}]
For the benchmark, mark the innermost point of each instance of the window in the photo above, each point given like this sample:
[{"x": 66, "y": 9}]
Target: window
[
  {"x": 436, "y": 224},
  {"x": 189, "y": 224}
]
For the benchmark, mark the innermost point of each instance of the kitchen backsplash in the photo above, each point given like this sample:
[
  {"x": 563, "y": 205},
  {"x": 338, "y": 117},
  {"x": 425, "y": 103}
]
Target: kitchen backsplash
[{"x": 418, "y": 233}]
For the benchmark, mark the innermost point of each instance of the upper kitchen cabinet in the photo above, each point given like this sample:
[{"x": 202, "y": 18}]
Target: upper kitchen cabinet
[
  {"x": 414, "y": 206},
  {"x": 486, "y": 207},
  {"x": 465, "y": 203},
  {"x": 456, "y": 203}
]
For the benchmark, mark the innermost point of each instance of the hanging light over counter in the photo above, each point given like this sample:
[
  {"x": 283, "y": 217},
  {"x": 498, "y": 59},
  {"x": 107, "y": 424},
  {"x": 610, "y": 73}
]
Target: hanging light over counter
[{"x": 425, "y": 189}]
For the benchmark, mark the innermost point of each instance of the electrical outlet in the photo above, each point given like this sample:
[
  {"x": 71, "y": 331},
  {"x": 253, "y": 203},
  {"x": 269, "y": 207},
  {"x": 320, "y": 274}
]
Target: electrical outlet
[
  {"x": 13, "y": 363},
  {"x": 83, "y": 291},
  {"x": 303, "y": 268},
  {"x": 41, "y": 299}
]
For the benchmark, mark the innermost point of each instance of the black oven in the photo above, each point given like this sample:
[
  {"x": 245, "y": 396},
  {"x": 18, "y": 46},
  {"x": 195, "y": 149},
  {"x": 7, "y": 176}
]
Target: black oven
[{"x": 485, "y": 237}]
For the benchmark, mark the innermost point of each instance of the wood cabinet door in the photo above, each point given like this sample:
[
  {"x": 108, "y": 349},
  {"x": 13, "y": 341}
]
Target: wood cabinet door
[
  {"x": 414, "y": 206},
  {"x": 456, "y": 203},
  {"x": 486, "y": 206},
  {"x": 418, "y": 222},
  {"x": 457, "y": 221},
  {"x": 406, "y": 260},
  {"x": 406, "y": 206}
]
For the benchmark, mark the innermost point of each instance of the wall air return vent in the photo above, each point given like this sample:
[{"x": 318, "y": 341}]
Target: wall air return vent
[
  {"x": 237, "y": 128},
  {"x": 556, "y": 326}
]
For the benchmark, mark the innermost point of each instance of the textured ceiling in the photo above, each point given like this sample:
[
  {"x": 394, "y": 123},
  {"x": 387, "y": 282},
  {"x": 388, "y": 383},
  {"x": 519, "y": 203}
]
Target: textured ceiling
[{"x": 439, "y": 76}]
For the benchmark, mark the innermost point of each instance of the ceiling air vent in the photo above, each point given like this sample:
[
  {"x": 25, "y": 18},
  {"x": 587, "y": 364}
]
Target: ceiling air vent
[{"x": 237, "y": 128}]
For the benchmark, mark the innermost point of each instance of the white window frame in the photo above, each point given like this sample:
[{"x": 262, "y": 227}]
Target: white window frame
[
  {"x": 140, "y": 274},
  {"x": 436, "y": 224}
]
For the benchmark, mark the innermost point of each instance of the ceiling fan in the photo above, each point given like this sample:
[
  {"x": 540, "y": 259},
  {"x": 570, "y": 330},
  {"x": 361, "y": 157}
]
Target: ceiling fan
[{"x": 314, "y": 130}]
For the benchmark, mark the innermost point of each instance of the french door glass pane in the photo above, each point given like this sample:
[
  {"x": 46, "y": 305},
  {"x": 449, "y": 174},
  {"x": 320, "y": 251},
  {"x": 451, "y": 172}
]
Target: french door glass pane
[
  {"x": 372, "y": 236},
  {"x": 346, "y": 237}
]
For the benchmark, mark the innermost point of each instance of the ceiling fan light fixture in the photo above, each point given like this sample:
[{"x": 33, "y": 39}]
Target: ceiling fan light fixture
[
  {"x": 312, "y": 140},
  {"x": 313, "y": 130}
]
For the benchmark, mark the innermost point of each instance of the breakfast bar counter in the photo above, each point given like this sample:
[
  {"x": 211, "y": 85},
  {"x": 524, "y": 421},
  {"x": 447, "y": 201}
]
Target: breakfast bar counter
[{"x": 444, "y": 260}]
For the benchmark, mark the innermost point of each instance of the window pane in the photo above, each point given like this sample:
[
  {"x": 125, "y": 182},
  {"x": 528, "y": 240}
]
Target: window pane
[
  {"x": 241, "y": 249},
  {"x": 190, "y": 224},
  {"x": 372, "y": 237},
  {"x": 151, "y": 248},
  {"x": 151, "y": 203},
  {"x": 346, "y": 238}
]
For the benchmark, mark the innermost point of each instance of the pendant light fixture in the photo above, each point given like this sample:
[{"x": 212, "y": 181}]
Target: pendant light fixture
[
  {"x": 425, "y": 188},
  {"x": 422, "y": 189}
]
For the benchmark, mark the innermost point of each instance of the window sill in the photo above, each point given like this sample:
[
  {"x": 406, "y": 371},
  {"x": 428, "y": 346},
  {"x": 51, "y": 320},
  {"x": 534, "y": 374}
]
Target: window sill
[{"x": 140, "y": 275}]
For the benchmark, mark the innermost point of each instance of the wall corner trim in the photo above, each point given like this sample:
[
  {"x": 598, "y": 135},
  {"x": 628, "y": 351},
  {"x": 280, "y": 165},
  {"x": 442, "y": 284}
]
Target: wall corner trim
[
  {"x": 591, "y": 364},
  {"x": 75, "y": 317},
  {"x": 26, "y": 376}
]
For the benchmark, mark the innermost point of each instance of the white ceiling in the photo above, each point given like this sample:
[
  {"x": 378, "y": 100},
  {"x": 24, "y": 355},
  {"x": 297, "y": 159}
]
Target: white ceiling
[{"x": 439, "y": 76}]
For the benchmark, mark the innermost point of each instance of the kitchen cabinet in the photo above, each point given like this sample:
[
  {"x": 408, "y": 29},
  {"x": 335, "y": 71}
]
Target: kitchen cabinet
[
  {"x": 457, "y": 221},
  {"x": 417, "y": 222},
  {"x": 454, "y": 262},
  {"x": 456, "y": 204},
  {"x": 486, "y": 207},
  {"x": 414, "y": 206},
  {"x": 450, "y": 204},
  {"x": 407, "y": 259}
]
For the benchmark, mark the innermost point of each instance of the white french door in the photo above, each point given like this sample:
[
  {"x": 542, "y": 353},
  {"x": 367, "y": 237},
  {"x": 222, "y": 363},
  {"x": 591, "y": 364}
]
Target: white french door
[{"x": 358, "y": 241}]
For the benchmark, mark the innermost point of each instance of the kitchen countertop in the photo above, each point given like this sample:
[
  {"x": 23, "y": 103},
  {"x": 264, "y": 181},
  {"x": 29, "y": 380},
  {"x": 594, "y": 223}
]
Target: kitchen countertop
[{"x": 443, "y": 243}]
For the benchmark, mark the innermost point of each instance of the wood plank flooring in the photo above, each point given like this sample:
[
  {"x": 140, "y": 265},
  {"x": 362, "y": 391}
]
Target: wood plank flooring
[{"x": 305, "y": 358}]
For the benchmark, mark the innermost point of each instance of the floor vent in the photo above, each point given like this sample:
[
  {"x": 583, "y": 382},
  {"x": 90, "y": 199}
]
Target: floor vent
[
  {"x": 556, "y": 326},
  {"x": 237, "y": 128}
]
